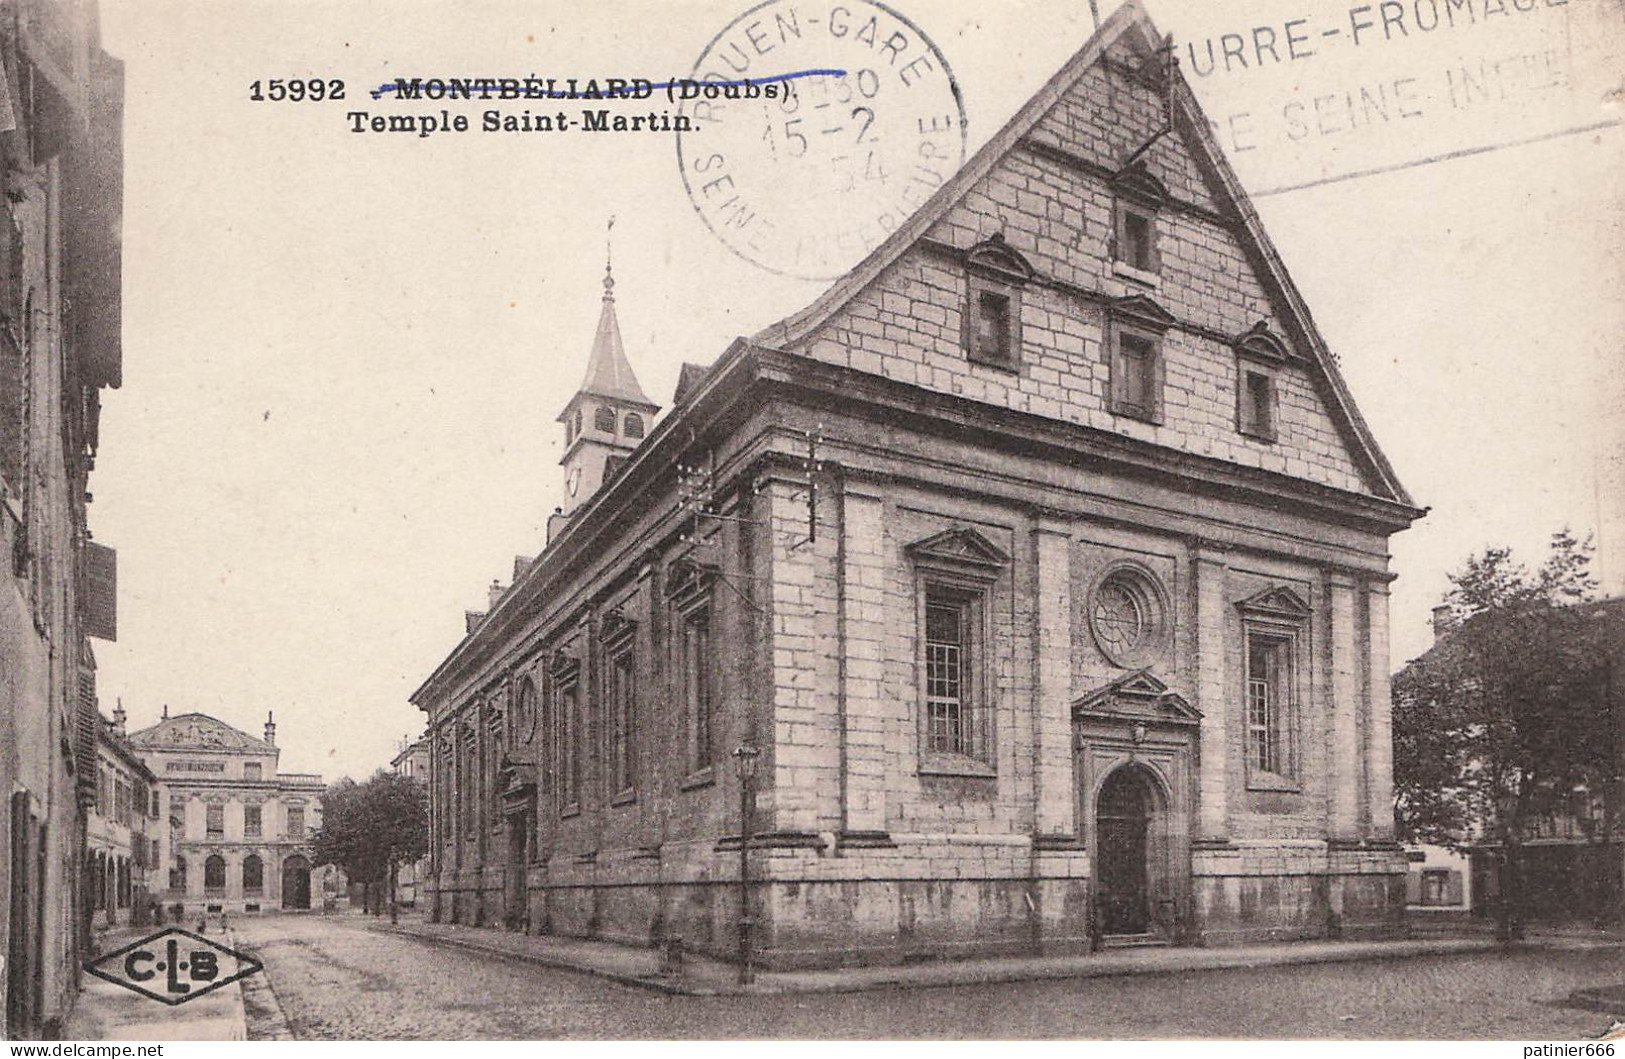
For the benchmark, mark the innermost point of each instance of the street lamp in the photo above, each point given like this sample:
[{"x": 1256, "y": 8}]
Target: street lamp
[{"x": 745, "y": 757}]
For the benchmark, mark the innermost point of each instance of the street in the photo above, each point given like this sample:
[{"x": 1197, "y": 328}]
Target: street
[{"x": 336, "y": 979}]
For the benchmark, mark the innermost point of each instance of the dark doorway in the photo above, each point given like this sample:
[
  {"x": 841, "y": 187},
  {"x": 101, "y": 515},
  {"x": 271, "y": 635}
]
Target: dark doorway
[
  {"x": 296, "y": 882},
  {"x": 515, "y": 913},
  {"x": 1123, "y": 827}
]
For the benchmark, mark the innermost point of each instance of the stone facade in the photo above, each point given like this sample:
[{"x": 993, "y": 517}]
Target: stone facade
[
  {"x": 237, "y": 832},
  {"x": 61, "y": 167},
  {"x": 122, "y": 857},
  {"x": 1044, "y": 559}
]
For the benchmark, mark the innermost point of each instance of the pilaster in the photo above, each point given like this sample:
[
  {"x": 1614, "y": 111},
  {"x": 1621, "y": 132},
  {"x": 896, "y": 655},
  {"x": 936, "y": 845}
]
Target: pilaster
[
  {"x": 1379, "y": 752},
  {"x": 862, "y": 669},
  {"x": 1217, "y": 705},
  {"x": 1054, "y": 796},
  {"x": 1345, "y": 751}
]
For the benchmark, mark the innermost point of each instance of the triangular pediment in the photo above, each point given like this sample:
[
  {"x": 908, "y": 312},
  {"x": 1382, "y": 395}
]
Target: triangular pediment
[
  {"x": 1279, "y": 601},
  {"x": 1129, "y": 27},
  {"x": 960, "y": 545},
  {"x": 1139, "y": 694},
  {"x": 196, "y": 731},
  {"x": 1143, "y": 311},
  {"x": 999, "y": 258},
  {"x": 1137, "y": 182}
]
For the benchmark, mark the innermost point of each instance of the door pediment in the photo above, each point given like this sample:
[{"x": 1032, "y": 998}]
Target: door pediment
[{"x": 1139, "y": 696}]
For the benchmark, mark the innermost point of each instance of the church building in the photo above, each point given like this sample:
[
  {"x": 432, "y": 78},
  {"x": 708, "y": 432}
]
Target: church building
[{"x": 1037, "y": 572}]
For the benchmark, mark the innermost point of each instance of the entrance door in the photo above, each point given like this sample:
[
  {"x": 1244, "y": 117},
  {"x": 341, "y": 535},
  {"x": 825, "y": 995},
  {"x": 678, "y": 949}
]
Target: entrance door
[
  {"x": 296, "y": 882},
  {"x": 513, "y": 916},
  {"x": 1122, "y": 829}
]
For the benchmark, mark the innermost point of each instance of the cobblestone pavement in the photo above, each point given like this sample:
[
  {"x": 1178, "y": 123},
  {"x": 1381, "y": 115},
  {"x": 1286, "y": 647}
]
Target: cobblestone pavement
[{"x": 337, "y": 980}]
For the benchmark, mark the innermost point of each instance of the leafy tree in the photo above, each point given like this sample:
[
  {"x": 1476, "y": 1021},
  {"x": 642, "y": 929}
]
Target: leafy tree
[
  {"x": 370, "y": 829},
  {"x": 1507, "y": 714}
]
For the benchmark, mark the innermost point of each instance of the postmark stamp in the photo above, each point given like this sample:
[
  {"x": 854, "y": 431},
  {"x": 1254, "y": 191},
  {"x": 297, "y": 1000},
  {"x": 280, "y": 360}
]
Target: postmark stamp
[{"x": 806, "y": 180}]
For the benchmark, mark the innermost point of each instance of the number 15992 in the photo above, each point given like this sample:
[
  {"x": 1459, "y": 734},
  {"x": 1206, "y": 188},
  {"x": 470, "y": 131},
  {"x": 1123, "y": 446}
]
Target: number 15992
[{"x": 296, "y": 90}]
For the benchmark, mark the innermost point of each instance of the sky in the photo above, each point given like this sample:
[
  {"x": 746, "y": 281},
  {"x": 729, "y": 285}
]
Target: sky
[{"x": 344, "y": 352}]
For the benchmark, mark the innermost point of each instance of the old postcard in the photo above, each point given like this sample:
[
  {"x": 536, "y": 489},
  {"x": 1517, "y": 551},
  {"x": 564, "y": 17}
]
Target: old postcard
[{"x": 813, "y": 519}]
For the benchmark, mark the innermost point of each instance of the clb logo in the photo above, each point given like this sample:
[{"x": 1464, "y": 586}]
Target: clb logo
[{"x": 173, "y": 966}]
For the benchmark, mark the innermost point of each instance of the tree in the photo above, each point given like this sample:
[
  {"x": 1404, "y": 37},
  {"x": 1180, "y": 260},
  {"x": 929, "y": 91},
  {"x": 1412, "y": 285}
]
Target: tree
[
  {"x": 370, "y": 829},
  {"x": 1506, "y": 716}
]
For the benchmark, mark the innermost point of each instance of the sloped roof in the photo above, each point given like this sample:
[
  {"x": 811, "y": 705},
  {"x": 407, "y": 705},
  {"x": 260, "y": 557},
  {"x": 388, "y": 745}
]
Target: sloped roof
[
  {"x": 609, "y": 373},
  {"x": 1130, "y": 18},
  {"x": 197, "y": 731}
]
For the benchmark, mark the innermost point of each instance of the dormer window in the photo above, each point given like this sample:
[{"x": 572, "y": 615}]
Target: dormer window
[
  {"x": 1139, "y": 197},
  {"x": 1260, "y": 355},
  {"x": 994, "y": 276},
  {"x": 1139, "y": 238},
  {"x": 993, "y": 326},
  {"x": 1136, "y": 360},
  {"x": 1257, "y": 404}
]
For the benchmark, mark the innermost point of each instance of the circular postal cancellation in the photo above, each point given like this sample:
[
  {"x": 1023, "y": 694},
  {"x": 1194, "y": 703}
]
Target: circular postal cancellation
[{"x": 815, "y": 130}]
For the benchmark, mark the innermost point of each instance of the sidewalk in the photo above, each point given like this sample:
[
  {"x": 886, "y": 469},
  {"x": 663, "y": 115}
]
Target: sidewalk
[
  {"x": 706, "y": 977},
  {"x": 108, "y": 1012}
]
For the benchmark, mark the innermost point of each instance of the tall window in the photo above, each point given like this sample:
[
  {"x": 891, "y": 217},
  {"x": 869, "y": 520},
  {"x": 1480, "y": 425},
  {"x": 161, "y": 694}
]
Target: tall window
[
  {"x": 253, "y": 874},
  {"x": 698, "y": 686},
  {"x": 214, "y": 873},
  {"x": 215, "y": 821},
  {"x": 567, "y": 690},
  {"x": 177, "y": 876},
  {"x": 251, "y": 821},
  {"x": 1268, "y": 692},
  {"x": 1275, "y": 629},
  {"x": 296, "y": 823},
  {"x": 956, "y": 572},
  {"x": 946, "y": 669},
  {"x": 621, "y": 698}
]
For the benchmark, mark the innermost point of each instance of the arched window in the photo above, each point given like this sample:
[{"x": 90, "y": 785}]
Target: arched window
[
  {"x": 253, "y": 874},
  {"x": 214, "y": 873},
  {"x": 634, "y": 425},
  {"x": 578, "y": 421},
  {"x": 603, "y": 418}
]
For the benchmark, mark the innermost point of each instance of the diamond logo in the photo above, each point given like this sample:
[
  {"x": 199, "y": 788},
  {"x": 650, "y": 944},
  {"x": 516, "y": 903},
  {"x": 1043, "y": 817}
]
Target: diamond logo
[{"x": 173, "y": 966}]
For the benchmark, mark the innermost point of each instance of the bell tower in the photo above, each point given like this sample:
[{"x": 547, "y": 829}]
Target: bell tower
[{"x": 609, "y": 415}]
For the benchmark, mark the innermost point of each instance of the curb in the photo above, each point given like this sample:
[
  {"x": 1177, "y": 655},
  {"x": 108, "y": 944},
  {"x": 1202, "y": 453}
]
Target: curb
[
  {"x": 906, "y": 980},
  {"x": 658, "y": 985},
  {"x": 274, "y": 1024}
]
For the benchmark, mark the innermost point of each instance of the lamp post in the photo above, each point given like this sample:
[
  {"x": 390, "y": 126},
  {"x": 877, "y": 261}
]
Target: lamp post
[{"x": 745, "y": 756}]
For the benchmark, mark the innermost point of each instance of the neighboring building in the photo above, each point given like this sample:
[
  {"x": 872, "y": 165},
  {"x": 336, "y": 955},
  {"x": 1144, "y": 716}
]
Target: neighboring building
[
  {"x": 123, "y": 882},
  {"x": 1572, "y": 864},
  {"x": 1078, "y": 633},
  {"x": 237, "y": 831},
  {"x": 1440, "y": 881},
  {"x": 61, "y": 166},
  {"x": 413, "y": 761}
]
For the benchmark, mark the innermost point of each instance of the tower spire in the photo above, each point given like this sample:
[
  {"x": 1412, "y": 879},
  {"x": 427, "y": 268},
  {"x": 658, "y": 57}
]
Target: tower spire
[{"x": 610, "y": 415}]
